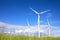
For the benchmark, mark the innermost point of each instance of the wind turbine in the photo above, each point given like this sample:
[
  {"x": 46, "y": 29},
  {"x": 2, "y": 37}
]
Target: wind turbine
[
  {"x": 48, "y": 28},
  {"x": 38, "y": 13},
  {"x": 28, "y": 27}
]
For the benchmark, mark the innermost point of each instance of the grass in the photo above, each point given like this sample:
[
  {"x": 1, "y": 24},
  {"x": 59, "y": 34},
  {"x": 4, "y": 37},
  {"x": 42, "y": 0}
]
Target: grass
[{"x": 26, "y": 38}]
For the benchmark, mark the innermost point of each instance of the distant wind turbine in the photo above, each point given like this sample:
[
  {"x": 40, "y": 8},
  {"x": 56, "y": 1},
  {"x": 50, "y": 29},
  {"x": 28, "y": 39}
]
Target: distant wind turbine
[
  {"x": 28, "y": 27},
  {"x": 48, "y": 28},
  {"x": 39, "y": 18}
]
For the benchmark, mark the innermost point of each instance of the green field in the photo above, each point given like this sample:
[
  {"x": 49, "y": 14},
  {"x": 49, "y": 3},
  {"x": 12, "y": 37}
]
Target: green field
[{"x": 26, "y": 38}]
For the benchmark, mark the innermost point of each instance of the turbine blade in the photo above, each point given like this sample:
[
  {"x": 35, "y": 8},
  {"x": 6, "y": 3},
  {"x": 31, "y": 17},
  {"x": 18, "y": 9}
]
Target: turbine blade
[
  {"x": 44, "y": 11},
  {"x": 28, "y": 23},
  {"x": 48, "y": 23},
  {"x": 34, "y": 11}
]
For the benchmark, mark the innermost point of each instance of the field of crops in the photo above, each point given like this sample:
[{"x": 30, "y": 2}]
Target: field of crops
[{"x": 26, "y": 38}]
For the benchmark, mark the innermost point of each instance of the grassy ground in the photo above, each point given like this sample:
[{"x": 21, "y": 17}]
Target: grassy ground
[{"x": 26, "y": 38}]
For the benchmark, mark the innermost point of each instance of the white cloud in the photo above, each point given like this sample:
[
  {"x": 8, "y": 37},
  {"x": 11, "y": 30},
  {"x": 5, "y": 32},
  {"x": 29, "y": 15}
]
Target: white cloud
[
  {"x": 19, "y": 31},
  {"x": 43, "y": 28}
]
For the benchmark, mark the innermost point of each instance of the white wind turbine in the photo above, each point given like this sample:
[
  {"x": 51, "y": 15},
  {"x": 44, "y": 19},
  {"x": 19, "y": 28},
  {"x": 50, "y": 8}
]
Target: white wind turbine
[
  {"x": 48, "y": 28},
  {"x": 39, "y": 13},
  {"x": 28, "y": 27}
]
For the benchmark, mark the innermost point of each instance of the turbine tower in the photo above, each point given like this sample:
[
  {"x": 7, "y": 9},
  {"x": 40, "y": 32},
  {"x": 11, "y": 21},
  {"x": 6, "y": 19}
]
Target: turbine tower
[
  {"x": 48, "y": 28},
  {"x": 38, "y": 13}
]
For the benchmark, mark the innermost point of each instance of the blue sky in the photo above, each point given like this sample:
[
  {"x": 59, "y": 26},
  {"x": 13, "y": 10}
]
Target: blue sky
[{"x": 18, "y": 11}]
